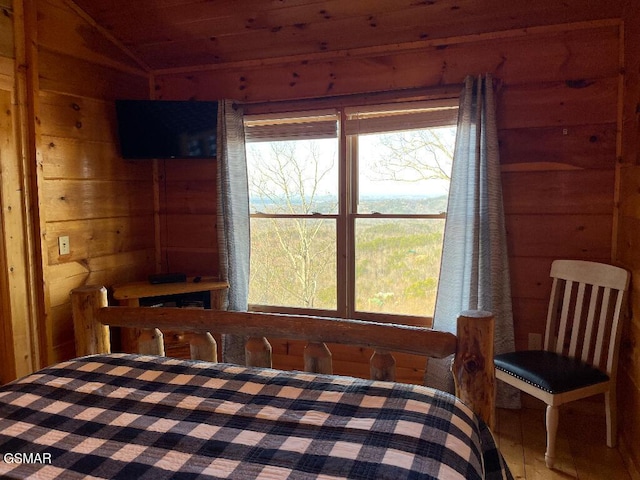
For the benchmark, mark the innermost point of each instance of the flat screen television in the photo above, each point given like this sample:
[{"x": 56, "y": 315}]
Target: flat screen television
[{"x": 167, "y": 129}]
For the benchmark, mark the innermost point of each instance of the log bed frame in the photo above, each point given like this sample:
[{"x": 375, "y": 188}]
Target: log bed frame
[{"x": 472, "y": 368}]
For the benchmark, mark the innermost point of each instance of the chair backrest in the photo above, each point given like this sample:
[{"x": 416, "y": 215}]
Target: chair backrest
[{"x": 584, "y": 312}]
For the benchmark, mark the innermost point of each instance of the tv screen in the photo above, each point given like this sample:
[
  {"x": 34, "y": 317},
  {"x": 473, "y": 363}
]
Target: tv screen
[{"x": 167, "y": 129}]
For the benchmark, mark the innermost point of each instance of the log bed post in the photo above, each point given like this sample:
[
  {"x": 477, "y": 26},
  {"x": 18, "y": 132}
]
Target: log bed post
[
  {"x": 257, "y": 351},
  {"x": 146, "y": 341},
  {"x": 472, "y": 368},
  {"x": 382, "y": 366},
  {"x": 318, "y": 358},
  {"x": 203, "y": 347},
  {"x": 91, "y": 336}
]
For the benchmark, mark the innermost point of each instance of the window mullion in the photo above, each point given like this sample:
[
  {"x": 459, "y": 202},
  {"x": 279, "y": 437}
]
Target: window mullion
[
  {"x": 344, "y": 249},
  {"x": 351, "y": 162}
]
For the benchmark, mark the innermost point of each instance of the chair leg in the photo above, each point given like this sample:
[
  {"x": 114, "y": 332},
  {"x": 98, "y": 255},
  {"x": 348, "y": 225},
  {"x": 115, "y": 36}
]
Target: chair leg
[
  {"x": 553, "y": 414},
  {"x": 610, "y": 410}
]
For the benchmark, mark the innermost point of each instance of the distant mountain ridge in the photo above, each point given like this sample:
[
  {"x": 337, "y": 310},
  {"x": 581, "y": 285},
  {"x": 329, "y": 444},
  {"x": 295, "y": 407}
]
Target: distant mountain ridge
[{"x": 382, "y": 203}]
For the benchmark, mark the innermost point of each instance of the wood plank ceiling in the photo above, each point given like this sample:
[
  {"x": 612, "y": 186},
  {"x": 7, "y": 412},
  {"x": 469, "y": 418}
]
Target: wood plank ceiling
[{"x": 182, "y": 34}]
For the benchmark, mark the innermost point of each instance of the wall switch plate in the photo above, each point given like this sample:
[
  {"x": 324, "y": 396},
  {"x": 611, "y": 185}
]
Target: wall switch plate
[{"x": 63, "y": 245}]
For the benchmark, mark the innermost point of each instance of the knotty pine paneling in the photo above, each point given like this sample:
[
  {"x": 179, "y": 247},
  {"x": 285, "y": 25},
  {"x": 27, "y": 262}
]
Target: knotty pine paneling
[
  {"x": 83, "y": 199},
  {"x": 560, "y": 192},
  {"x": 62, "y": 29},
  {"x": 127, "y": 266},
  {"x": 570, "y": 54},
  {"x": 60, "y": 315},
  {"x": 17, "y": 314},
  {"x": 6, "y": 73},
  {"x": 98, "y": 237},
  {"x": 88, "y": 79},
  {"x": 12, "y": 330},
  {"x": 530, "y": 315},
  {"x": 178, "y": 34},
  {"x": 631, "y": 105},
  {"x": 559, "y": 236},
  {"x": 77, "y": 117},
  {"x": 530, "y": 277},
  {"x": 628, "y": 255},
  {"x": 629, "y": 405},
  {"x": 585, "y": 102},
  {"x": 90, "y": 159},
  {"x": 99, "y": 270},
  {"x": 195, "y": 231},
  {"x": 630, "y": 350},
  {"x": 546, "y": 148},
  {"x": 188, "y": 232},
  {"x": 6, "y": 31},
  {"x": 628, "y": 245},
  {"x": 192, "y": 197},
  {"x": 629, "y": 186},
  {"x": 75, "y": 57},
  {"x": 190, "y": 261},
  {"x": 104, "y": 204}
]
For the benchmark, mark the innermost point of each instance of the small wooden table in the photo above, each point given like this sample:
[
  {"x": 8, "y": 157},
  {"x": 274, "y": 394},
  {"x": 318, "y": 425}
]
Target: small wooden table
[
  {"x": 135, "y": 340},
  {"x": 129, "y": 294}
]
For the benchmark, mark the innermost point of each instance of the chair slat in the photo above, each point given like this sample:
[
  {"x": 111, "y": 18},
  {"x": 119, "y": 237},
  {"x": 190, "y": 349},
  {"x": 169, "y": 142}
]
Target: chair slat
[
  {"x": 552, "y": 314},
  {"x": 588, "y": 332},
  {"x": 566, "y": 303},
  {"x": 602, "y": 326},
  {"x": 577, "y": 320}
]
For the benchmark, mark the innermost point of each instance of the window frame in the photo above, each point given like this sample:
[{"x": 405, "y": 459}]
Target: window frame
[{"x": 347, "y": 215}]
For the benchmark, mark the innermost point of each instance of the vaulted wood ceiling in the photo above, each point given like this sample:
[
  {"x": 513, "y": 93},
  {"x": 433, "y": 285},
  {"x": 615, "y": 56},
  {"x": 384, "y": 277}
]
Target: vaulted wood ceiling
[{"x": 167, "y": 34}]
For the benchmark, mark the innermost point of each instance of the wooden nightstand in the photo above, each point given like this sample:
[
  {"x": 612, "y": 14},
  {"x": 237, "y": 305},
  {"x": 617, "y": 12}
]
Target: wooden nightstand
[{"x": 174, "y": 343}]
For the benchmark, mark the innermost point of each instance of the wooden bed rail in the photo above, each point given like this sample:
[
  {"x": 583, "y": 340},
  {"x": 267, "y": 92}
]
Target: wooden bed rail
[{"x": 472, "y": 346}]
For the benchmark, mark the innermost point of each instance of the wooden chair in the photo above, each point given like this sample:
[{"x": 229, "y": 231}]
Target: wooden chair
[{"x": 581, "y": 342}]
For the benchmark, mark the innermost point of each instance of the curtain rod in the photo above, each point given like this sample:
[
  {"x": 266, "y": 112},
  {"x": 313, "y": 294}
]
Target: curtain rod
[{"x": 353, "y": 99}]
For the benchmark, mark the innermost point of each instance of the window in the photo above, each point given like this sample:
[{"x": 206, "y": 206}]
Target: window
[{"x": 348, "y": 209}]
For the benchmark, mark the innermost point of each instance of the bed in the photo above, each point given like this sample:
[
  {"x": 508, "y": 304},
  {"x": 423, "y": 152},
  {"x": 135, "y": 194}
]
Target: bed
[{"x": 117, "y": 415}]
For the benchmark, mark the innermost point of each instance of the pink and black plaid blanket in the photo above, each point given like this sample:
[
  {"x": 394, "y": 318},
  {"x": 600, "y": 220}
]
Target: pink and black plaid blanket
[{"x": 141, "y": 417}]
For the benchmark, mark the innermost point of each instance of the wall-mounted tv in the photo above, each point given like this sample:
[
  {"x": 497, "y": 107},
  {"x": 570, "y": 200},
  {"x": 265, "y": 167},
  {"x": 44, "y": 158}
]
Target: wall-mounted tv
[{"x": 167, "y": 129}]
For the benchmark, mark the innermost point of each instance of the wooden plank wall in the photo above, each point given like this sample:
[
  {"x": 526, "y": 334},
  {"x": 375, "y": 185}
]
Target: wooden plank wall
[
  {"x": 18, "y": 340},
  {"x": 188, "y": 236},
  {"x": 557, "y": 125},
  {"x": 87, "y": 192},
  {"x": 7, "y": 149},
  {"x": 628, "y": 245}
]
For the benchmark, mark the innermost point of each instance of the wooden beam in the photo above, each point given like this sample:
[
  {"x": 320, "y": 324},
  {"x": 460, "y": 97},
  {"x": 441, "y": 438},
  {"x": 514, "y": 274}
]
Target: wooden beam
[
  {"x": 397, "y": 338},
  {"x": 31, "y": 257}
]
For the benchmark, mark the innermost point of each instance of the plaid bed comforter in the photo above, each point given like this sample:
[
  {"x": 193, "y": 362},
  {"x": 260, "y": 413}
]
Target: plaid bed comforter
[{"x": 140, "y": 417}]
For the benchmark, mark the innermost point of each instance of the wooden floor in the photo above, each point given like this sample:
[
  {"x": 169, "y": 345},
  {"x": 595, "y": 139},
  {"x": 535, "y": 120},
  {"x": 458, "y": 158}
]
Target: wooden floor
[{"x": 581, "y": 449}]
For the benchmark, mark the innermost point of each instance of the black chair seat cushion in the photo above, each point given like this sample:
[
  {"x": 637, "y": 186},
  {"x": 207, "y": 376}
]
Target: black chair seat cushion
[{"x": 550, "y": 371}]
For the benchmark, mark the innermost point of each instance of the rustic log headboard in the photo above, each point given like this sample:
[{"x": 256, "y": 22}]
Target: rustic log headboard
[{"x": 472, "y": 346}]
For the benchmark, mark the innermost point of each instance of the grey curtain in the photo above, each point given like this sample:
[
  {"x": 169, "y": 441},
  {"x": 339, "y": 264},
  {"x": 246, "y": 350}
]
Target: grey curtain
[
  {"x": 233, "y": 218},
  {"x": 475, "y": 269}
]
